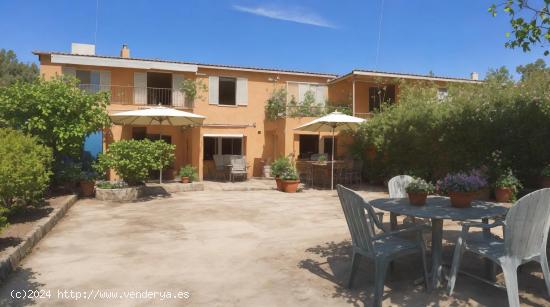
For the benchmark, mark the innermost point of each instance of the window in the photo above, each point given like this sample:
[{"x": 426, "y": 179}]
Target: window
[
  {"x": 232, "y": 146},
  {"x": 89, "y": 80},
  {"x": 327, "y": 143},
  {"x": 377, "y": 95},
  {"x": 309, "y": 144},
  {"x": 319, "y": 92},
  {"x": 139, "y": 133},
  {"x": 222, "y": 146},
  {"x": 210, "y": 146},
  {"x": 159, "y": 88},
  {"x": 227, "y": 91},
  {"x": 442, "y": 93}
]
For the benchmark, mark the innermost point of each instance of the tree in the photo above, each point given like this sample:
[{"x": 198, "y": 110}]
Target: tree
[
  {"x": 56, "y": 111},
  {"x": 11, "y": 70},
  {"x": 529, "y": 70},
  {"x": 530, "y": 24}
]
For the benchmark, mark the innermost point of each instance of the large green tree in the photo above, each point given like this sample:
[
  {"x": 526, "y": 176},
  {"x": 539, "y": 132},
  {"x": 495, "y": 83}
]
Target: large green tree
[
  {"x": 11, "y": 70},
  {"x": 56, "y": 111},
  {"x": 530, "y": 21}
]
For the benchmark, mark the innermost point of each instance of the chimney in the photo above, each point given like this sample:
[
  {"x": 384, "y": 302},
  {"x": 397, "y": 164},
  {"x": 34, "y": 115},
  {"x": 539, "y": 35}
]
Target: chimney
[
  {"x": 474, "y": 76},
  {"x": 83, "y": 49},
  {"x": 125, "y": 51}
]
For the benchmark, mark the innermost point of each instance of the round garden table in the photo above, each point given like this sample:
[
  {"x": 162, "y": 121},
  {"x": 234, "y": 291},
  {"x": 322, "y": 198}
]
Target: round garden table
[{"x": 438, "y": 208}]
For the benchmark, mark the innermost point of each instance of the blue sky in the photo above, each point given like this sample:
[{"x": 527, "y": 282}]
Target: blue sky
[{"x": 451, "y": 38}]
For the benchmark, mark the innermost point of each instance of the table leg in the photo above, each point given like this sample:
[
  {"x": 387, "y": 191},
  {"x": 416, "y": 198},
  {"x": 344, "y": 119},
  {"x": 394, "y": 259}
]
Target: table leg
[
  {"x": 437, "y": 252},
  {"x": 490, "y": 266},
  {"x": 393, "y": 221}
]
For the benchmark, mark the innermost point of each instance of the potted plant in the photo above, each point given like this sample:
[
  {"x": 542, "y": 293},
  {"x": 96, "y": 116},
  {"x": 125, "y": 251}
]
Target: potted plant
[
  {"x": 87, "y": 183},
  {"x": 506, "y": 187},
  {"x": 462, "y": 188},
  {"x": 545, "y": 173},
  {"x": 278, "y": 167},
  {"x": 188, "y": 173},
  {"x": 418, "y": 191},
  {"x": 290, "y": 180}
]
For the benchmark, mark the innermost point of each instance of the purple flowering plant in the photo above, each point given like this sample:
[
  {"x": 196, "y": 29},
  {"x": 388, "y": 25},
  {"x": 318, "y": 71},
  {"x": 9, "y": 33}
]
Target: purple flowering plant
[{"x": 462, "y": 182}]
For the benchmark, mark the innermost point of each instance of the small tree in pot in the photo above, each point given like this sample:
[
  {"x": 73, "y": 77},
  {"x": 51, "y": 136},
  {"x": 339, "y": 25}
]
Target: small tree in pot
[
  {"x": 506, "y": 187},
  {"x": 278, "y": 167},
  {"x": 418, "y": 191},
  {"x": 188, "y": 173}
]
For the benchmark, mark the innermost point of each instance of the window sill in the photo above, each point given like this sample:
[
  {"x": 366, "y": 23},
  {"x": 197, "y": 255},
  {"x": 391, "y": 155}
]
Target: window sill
[{"x": 227, "y": 105}]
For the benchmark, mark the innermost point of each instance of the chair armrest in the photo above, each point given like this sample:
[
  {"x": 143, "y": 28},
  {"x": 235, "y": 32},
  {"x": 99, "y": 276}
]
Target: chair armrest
[
  {"x": 414, "y": 229},
  {"x": 467, "y": 225}
]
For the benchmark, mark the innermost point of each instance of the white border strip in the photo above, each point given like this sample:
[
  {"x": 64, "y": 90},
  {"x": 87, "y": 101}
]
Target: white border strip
[{"x": 123, "y": 63}]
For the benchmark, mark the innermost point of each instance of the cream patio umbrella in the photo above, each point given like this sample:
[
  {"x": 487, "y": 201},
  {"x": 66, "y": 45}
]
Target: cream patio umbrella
[
  {"x": 333, "y": 122},
  {"x": 160, "y": 116}
]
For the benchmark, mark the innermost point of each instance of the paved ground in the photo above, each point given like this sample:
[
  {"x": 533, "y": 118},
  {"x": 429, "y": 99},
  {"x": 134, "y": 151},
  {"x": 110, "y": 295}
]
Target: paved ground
[{"x": 256, "y": 248}]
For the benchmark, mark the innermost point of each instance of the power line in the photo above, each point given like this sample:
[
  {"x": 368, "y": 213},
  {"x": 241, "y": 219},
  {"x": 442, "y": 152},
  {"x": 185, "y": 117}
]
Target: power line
[
  {"x": 379, "y": 33},
  {"x": 96, "y": 20}
]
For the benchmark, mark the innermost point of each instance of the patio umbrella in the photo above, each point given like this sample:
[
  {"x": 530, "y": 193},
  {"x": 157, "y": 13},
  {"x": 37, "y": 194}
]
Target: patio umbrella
[
  {"x": 333, "y": 122},
  {"x": 160, "y": 116}
]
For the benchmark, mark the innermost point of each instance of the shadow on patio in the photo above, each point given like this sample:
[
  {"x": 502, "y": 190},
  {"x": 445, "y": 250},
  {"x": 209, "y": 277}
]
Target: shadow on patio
[{"x": 332, "y": 260}]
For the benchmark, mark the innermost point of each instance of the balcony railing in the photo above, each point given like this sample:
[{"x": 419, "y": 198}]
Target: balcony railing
[
  {"x": 305, "y": 111},
  {"x": 121, "y": 94}
]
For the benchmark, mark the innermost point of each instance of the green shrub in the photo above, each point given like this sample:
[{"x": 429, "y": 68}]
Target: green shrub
[
  {"x": 545, "y": 171},
  {"x": 25, "y": 169},
  {"x": 429, "y": 138},
  {"x": 419, "y": 185},
  {"x": 508, "y": 180},
  {"x": 279, "y": 166},
  {"x": 189, "y": 171},
  {"x": 290, "y": 173},
  {"x": 133, "y": 159}
]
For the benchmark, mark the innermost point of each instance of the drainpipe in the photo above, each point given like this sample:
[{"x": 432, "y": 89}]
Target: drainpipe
[{"x": 353, "y": 96}]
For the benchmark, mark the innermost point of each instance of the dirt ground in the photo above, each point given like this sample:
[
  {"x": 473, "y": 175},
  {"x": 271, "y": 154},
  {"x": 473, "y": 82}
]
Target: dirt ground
[{"x": 220, "y": 248}]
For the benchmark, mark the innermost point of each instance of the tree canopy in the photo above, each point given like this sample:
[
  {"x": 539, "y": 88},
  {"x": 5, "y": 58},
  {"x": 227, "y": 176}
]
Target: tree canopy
[
  {"x": 11, "y": 70},
  {"x": 56, "y": 111},
  {"x": 530, "y": 23}
]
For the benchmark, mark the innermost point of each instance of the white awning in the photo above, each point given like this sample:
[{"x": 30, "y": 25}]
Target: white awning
[{"x": 219, "y": 135}]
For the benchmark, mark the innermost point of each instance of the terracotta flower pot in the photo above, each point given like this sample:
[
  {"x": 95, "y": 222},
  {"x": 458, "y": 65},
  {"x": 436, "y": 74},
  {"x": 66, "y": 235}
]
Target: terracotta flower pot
[
  {"x": 184, "y": 179},
  {"x": 545, "y": 182},
  {"x": 462, "y": 199},
  {"x": 417, "y": 198},
  {"x": 87, "y": 188},
  {"x": 279, "y": 184},
  {"x": 290, "y": 186},
  {"x": 503, "y": 195}
]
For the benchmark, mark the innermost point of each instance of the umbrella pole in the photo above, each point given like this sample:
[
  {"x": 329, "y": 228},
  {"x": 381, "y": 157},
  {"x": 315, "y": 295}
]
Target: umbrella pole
[
  {"x": 332, "y": 163},
  {"x": 160, "y": 139}
]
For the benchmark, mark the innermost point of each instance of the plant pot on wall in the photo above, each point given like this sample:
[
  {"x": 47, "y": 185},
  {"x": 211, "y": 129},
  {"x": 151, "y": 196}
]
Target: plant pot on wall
[
  {"x": 503, "y": 195},
  {"x": 290, "y": 186},
  {"x": 185, "y": 179},
  {"x": 417, "y": 198},
  {"x": 87, "y": 188},
  {"x": 462, "y": 199}
]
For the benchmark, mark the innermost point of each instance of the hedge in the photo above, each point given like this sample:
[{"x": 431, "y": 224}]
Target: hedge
[{"x": 499, "y": 124}]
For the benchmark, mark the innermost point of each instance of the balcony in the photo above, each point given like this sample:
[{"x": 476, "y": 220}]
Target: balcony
[
  {"x": 292, "y": 111},
  {"x": 131, "y": 95}
]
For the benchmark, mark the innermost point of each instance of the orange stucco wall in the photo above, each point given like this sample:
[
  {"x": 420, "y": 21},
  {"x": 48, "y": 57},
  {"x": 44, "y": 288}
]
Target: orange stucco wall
[{"x": 264, "y": 140}]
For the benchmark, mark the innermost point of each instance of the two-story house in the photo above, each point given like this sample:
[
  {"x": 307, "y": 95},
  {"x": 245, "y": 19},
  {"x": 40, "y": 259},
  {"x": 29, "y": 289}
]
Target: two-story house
[{"x": 233, "y": 101}]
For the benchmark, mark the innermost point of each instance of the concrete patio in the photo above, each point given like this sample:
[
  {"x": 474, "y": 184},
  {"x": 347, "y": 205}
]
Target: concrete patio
[{"x": 254, "y": 248}]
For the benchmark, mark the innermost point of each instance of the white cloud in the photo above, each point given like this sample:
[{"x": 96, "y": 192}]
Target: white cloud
[{"x": 293, "y": 14}]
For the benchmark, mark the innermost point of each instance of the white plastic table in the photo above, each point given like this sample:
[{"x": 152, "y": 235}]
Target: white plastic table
[{"x": 438, "y": 208}]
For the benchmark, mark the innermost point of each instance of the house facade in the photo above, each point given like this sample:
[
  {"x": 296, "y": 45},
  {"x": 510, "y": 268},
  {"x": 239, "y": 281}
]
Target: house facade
[{"x": 232, "y": 98}]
